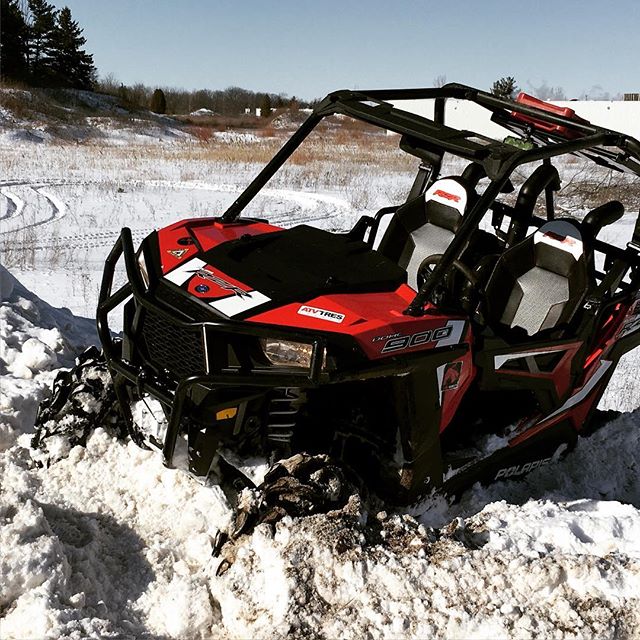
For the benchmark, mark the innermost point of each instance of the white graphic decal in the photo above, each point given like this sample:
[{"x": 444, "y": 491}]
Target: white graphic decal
[
  {"x": 233, "y": 305},
  {"x": 578, "y": 397},
  {"x": 499, "y": 361},
  {"x": 449, "y": 192},
  {"x": 567, "y": 243},
  {"x": 440, "y": 376},
  {"x": 182, "y": 273},
  {"x": 322, "y": 314},
  {"x": 445, "y": 336},
  {"x": 454, "y": 336}
]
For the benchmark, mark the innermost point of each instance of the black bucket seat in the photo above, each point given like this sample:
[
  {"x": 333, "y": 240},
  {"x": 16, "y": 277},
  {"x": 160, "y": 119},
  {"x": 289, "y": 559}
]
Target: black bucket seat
[
  {"x": 540, "y": 282},
  {"x": 426, "y": 225}
]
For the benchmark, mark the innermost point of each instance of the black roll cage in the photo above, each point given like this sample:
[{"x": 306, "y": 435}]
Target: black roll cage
[{"x": 605, "y": 147}]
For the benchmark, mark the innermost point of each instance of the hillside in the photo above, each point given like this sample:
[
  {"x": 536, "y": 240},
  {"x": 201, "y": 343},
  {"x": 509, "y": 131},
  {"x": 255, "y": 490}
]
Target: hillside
[{"x": 70, "y": 115}]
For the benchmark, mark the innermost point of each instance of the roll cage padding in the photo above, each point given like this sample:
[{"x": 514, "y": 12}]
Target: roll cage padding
[
  {"x": 426, "y": 225},
  {"x": 544, "y": 176},
  {"x": 602, "y": 216},
  {"x": 539, "y": 283}
]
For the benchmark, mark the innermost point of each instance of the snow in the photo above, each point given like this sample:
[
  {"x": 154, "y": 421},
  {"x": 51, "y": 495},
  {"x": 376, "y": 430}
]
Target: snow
[
  {"x": 555, "y": 554},
  {"x": 235, "y": 136},
  {"x": 108, "y": 543},
  {"x": 203, "y": 112}
]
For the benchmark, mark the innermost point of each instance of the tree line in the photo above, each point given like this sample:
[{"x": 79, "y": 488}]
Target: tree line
[
  {"x": 231, "y": 101},
  {"x": 507, "y": 87},
  {"x": 43, "y": 46}
]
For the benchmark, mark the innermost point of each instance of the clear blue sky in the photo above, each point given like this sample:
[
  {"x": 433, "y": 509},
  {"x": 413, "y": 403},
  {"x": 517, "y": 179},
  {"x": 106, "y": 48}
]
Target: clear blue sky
[{"x": 308, "y": 48}]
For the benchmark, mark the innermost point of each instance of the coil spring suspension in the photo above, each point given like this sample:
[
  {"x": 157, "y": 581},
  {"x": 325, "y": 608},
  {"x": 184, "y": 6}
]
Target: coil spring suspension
[{"x": 283, "y": 411}]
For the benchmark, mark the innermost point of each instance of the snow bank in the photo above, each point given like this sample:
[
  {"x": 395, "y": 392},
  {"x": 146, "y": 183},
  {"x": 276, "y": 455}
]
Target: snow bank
[
  {"x": 333, "y": 577},
  {"x": 235, "y": 136},
  {"x": 35, "y": 340},
  {"x": 109, "y": 543},
  {"x": 203, "y": 112},
  {"x": 84, "y": 550}
]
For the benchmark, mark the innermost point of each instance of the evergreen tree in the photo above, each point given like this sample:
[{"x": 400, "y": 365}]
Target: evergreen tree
[
  {"x": 158, "y": 102},
  {"x": 13, "y": 42},
  {"x": 505, "y": 87},
  {"x": 71, "y": 65},
  {"x": 265, "y": 106},
  {"x": 41, "y": 31}
]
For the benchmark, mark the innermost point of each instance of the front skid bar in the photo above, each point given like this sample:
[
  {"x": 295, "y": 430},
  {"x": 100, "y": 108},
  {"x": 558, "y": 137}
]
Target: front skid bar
[{"x": 173, "y": 394}]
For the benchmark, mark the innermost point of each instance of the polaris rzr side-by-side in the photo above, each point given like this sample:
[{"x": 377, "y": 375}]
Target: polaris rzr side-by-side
[{"x": 390, "y": 349}]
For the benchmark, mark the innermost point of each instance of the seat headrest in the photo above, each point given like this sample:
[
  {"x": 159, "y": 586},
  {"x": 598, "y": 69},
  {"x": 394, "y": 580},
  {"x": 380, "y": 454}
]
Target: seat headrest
[
  {"x": 449, "y": 192},
  {"x": 561, "y": 234}
]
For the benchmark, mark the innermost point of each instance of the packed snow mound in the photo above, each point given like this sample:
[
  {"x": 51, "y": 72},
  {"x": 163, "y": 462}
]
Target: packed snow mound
[
  {"x": 203, "y": 112},
  {"x": 86, "y": 552},
  {"x": 603, "y": 467},
  {"x": 35, "y": 340},
  {"x": 106, "y": 542},
  {"x": 331, "y": 576}
]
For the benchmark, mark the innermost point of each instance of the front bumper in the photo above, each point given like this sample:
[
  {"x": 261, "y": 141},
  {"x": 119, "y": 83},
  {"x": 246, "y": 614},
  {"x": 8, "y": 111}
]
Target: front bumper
[
  {"x": 192, "y": 343},
  {"x": 191, "y": 354}
]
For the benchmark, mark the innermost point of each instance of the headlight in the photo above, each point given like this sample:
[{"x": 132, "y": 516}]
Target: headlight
[
  {"x": 142, "y": 265},
  {"x": 286, "y": 353}
]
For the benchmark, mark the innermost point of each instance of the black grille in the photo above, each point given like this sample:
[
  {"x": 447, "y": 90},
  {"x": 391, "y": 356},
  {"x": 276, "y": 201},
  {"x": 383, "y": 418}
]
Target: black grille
[
  {"x": 178, "y": 349},
  {"x": 181, "y": 301}
]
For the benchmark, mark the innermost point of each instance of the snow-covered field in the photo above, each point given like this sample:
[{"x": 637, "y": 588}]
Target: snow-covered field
[{"x": 109, "y": 543}]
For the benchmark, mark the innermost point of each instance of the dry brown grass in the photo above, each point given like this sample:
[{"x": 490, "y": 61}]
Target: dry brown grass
[
  {"x": 333, "y": 147},
  {"x": 203, "y": 134},
  {"x": 222, "y": 123}
]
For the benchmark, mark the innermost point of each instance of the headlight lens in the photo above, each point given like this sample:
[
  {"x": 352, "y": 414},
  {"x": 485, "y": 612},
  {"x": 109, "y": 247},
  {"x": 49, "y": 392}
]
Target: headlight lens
[{"x": 286, "y": 353}]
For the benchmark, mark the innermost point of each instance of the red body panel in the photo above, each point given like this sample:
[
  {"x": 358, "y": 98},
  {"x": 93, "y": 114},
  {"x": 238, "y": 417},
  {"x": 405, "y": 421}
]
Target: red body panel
[
  {"x": 185, "y": 237},
  {"x": 595, "y": 365},
  {"x": 375, "y": 320}
]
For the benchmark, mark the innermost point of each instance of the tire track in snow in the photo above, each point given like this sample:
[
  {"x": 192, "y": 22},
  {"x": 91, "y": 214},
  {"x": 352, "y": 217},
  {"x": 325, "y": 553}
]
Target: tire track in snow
[
  {"x": 58, "y": 206},
  {"x": 84, "y": 241},
  {"x": 15, "y": 204},
  {"x": 306, "y": 201},
  {"x": 33, "y": 182},
  {"x": 58, "y": 209},
  {"x": 309, "y": 208}
]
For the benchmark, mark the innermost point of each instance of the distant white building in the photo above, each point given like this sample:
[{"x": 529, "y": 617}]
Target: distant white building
[
  {"x": 619, "y": 115},
  {"x": 258, "y": 111}
]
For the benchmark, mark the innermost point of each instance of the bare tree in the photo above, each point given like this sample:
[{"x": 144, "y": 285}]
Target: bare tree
[
  {"x": 108, "y": 84},
  {"x": 546, "y": 92},
  {"x": 596, "y": 92},
  {"x": 440, "y": 81}
]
